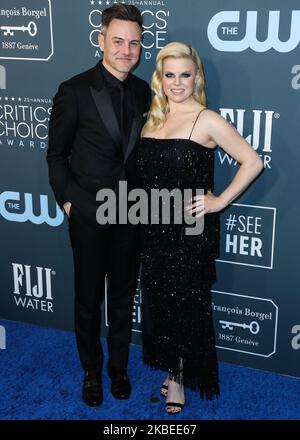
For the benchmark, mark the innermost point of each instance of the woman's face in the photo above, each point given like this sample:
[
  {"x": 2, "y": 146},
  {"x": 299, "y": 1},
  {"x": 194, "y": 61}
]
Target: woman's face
[{"x": 179, "y": 77}]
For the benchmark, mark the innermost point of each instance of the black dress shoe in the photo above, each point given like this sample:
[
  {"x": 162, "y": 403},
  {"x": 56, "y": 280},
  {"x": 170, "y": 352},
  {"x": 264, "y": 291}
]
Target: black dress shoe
[
  {"x": 120, "y": 385},
  {"x": 92, "y": 393}
]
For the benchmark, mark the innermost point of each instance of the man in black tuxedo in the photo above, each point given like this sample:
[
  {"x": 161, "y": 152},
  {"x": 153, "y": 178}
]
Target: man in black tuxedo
[{"x": 94, "y": 127}]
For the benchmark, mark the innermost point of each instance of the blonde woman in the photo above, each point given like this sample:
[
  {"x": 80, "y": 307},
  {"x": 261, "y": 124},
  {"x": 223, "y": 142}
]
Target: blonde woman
[{"x": 177, "y": 151}]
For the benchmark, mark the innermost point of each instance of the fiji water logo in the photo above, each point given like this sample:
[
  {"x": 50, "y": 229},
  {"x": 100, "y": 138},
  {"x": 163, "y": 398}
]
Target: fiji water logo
[
  {"x": 15, "y": 208},
  {"x": 224, "y": 37},
  {"x": 256, "y": 127},
  {"x": 33, "y": 287}
]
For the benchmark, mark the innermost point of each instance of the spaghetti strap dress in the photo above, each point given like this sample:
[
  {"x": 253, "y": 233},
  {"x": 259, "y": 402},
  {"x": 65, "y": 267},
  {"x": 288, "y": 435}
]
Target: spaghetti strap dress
[{"x": 178, "y": 270}]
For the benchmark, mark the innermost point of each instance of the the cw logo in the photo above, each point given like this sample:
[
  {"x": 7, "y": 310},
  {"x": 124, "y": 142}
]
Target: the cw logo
[
  {"x": 220, "y": 23},
  {"x": 11, "y": 199}
]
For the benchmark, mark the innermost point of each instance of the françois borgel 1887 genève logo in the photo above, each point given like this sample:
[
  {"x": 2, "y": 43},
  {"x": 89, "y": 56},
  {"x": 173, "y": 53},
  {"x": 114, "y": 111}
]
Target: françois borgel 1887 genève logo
[{"x": 26, "y": 30}]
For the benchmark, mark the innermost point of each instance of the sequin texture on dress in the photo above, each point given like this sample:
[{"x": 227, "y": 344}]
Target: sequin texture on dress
[{"x": 178, "y": 270}]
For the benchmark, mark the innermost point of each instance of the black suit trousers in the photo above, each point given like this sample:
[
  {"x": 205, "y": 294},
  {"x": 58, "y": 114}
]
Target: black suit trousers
[{"x": 111, "y": 253}]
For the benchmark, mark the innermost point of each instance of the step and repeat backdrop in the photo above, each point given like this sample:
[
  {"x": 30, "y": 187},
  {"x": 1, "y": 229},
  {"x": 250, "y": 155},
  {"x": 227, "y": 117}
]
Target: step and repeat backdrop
[{"x": 251, "y": 57}]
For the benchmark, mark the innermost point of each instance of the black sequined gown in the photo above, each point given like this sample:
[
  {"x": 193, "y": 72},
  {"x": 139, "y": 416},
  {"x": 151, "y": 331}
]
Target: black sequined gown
[{"x": 178, "y": 270}]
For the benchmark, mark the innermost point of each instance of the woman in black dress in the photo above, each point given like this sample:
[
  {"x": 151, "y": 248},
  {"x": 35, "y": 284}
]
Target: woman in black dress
[{"x": 177, "y": 151}]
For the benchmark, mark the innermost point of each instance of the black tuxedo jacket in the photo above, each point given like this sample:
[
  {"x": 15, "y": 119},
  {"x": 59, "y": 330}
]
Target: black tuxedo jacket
[{"x": 85, "y": 151}]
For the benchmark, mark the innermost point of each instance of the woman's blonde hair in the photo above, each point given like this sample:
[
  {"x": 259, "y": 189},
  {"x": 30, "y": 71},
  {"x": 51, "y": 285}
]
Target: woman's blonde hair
[{"x": 159, "y": 106}]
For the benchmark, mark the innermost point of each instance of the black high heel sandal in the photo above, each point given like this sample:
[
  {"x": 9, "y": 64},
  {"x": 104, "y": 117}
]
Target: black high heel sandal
[
  {"x": 174, "y": 405},
  {"x": 170, "y": 405}
]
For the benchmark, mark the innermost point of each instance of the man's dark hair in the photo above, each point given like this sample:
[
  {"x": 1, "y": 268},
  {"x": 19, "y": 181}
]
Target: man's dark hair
[{"x": 121, "y": 12}]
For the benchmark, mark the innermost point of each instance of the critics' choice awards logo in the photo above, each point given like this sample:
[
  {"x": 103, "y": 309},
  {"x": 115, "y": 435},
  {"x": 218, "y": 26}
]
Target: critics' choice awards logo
[
  {"x": 244, "y": 323},
  {"x": 136, "y": 312},
  {"x": 155, "y": 15},
  {"x": 260, "y": 124},
  {"x": 24, "y": 122},
  {"x": 247, "y": 235},
  {"x": 23, "y": 207},
  {"x": 26, "y": 30},
  {"x": 235, "y": 31},
  {"x": 33, "y": 287}
]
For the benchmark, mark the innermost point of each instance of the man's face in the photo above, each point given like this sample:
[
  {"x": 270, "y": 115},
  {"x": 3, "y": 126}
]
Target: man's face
[{"x": 121, "y": 47}]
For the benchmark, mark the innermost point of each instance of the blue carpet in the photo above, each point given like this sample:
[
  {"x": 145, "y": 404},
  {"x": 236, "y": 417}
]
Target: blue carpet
[{"x": 41, "y": 380}]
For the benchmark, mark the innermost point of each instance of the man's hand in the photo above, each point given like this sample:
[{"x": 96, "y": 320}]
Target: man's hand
[{"x": 67, "y": 207}]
